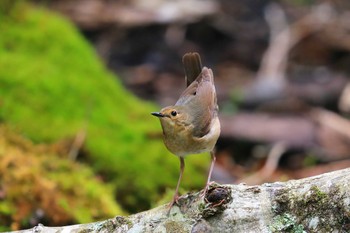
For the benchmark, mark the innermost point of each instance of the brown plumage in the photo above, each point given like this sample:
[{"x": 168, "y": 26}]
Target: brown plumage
[
  {"x": 193, "y": 67},
  {"x": 192, "y": 126}
]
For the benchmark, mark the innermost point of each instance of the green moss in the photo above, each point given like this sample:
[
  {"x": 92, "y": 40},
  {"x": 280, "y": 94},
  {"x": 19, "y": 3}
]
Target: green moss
[
  {"x": 32, "y": 178},
  {"x": 316, "y": 195},
  {"x": 286, "y": 223},
  {"x": 119, "y": 220},
  {"x": 54, "y": 86},
  {"x": 310, "y": 160},
  {"x": 105, "y": 226},
  {"x": 314, "y": 209}
]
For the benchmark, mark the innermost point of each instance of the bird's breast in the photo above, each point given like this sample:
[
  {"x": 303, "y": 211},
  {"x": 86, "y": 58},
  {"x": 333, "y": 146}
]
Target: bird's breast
[{"x": 180, "y": 141}]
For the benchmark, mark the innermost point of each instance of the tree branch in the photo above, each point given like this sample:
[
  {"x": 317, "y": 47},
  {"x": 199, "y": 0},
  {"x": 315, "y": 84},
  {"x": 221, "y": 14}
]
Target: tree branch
[{"x": 316, "y": 204}]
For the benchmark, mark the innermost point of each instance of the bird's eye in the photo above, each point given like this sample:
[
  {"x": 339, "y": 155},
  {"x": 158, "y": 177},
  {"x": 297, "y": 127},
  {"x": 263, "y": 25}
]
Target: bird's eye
[{"x": 173, "y": 113}]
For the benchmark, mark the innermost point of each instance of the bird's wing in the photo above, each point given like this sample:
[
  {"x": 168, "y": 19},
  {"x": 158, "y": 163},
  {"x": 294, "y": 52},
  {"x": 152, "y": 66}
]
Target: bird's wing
[{"x": 199, "y": 99}]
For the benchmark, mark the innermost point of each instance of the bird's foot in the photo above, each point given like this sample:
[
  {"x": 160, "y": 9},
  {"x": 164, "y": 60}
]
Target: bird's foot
[
  {"x": 173, "y": 202},
  {"x": 205, "y": 190}
]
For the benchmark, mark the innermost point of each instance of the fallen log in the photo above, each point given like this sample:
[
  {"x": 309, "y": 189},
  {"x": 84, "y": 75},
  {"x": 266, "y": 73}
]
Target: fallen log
[{"x": 315, "y": 204}]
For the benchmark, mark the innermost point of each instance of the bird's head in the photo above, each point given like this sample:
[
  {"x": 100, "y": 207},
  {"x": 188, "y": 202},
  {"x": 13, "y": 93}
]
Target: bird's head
[{"x": 172, "y": 116}]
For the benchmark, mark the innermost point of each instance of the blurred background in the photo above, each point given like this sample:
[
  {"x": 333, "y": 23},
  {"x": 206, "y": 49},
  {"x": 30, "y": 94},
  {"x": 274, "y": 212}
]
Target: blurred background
[{"x": 78, "y": 80}]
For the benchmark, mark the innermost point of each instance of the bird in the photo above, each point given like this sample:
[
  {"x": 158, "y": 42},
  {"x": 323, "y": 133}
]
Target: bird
[{"x": 192, "y": 125}]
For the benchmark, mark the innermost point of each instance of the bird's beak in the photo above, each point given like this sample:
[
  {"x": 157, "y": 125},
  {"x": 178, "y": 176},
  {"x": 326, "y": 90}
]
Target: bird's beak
[{"x": 157, "y": 114}]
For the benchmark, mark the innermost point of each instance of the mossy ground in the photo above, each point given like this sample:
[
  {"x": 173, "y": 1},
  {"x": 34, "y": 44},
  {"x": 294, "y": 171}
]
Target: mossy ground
[
  {"x": 34, "y": 180},
  {"x": 53, "y": 86}
]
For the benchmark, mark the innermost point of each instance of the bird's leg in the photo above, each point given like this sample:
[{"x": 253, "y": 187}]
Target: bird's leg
[
  {"x": 176, "y": 195},
  {"x": 213, "y": 159}
]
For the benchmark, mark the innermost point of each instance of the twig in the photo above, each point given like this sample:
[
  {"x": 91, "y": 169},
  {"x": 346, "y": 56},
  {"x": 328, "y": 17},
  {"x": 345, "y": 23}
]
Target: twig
[
  {"x": 331, "y": 120},
  {"x": 270, "y": 166},
  {"x": 77, "y": 144},
  {"x": 274, "y": 61}
]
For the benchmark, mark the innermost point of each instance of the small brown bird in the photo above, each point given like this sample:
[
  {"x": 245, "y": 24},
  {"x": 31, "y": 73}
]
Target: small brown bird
[{"x": 192, "y": 125}]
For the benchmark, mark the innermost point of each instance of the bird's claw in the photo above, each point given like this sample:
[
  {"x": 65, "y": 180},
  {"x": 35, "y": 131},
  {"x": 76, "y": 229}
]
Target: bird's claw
[
  {"x": 173, "y": 202},
  {"x": 205, "y": 190}
]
